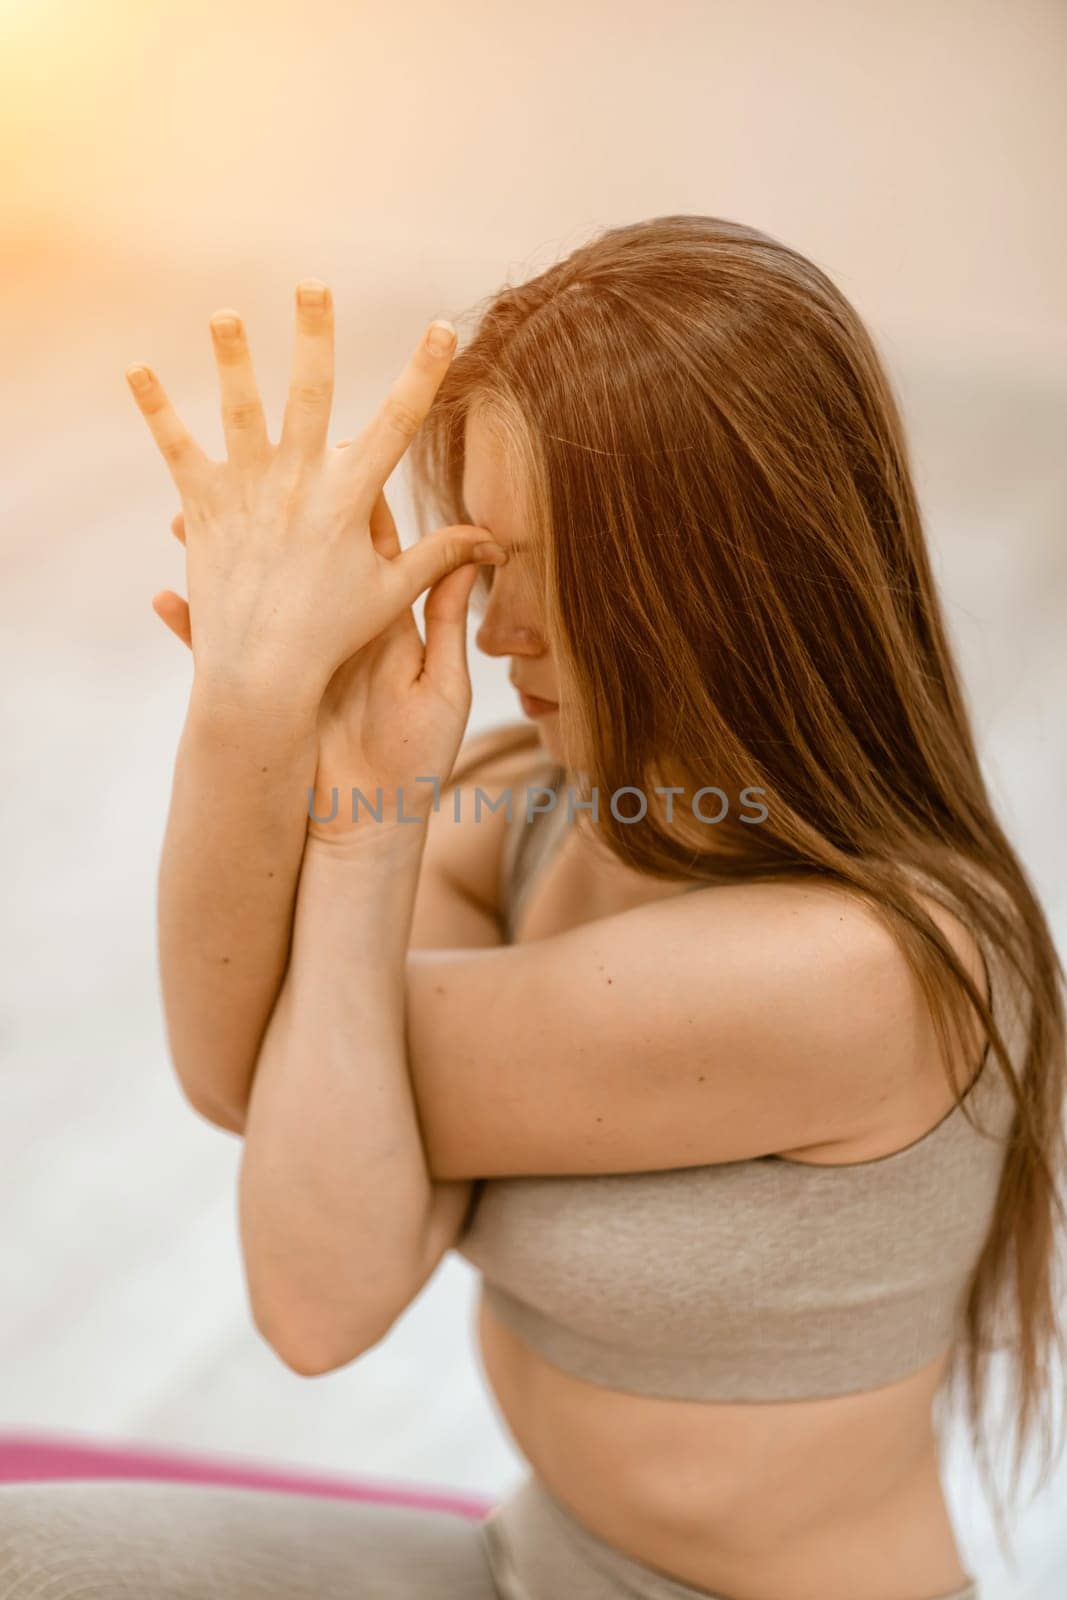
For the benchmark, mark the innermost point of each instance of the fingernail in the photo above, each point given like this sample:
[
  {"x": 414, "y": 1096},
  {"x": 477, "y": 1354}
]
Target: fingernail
[
  {"x": 138, "y": 377},
  {"x": 491, "y": 552},
  {"x": 311, "y": 296},
  {"x": 224, "y": 327},
  {"x": 440, "y": 338}
]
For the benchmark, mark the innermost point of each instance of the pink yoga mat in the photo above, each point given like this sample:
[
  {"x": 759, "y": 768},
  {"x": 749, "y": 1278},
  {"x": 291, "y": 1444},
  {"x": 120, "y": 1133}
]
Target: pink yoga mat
[{"x": 31, "y": 1458}]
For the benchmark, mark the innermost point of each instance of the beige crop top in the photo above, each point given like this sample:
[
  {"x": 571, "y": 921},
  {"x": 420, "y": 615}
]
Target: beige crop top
[{"x": 762, "y": 1279}]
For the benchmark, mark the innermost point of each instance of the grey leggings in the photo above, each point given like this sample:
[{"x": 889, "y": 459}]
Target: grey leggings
[{"x": 163, "y": 1541}]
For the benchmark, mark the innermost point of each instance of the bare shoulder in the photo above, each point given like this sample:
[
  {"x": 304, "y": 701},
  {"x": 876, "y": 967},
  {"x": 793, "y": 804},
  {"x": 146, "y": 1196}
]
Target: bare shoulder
[
  {"x": 869, "y": 993},
  {"x": 465, "y": 836}
]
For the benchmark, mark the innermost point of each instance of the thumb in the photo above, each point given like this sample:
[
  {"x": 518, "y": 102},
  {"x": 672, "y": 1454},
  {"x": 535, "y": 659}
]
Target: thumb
[
  {"x": 445, "y": 624},
  {"x": 174, "y": 611},
  {"x": 439, "y": 554}
]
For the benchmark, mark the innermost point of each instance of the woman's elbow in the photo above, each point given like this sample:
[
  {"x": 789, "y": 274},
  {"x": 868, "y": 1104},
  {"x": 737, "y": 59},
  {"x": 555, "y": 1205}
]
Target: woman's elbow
[
  {"x": 311, "y": 1351},
  {"x": 231, "y": 1118}
]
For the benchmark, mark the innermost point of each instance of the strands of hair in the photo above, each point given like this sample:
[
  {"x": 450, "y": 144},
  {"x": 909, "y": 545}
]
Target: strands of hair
[{"x": 717, "y": 488}]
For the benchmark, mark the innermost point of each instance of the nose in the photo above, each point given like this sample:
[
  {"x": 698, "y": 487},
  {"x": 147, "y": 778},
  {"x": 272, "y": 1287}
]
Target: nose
[
  {"x": 502, "y": 632},
  {"x": 507, "y": 641}
]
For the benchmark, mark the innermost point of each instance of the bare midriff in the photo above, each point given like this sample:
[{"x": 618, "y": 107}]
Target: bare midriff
[{"x": 838, "y": 1497}]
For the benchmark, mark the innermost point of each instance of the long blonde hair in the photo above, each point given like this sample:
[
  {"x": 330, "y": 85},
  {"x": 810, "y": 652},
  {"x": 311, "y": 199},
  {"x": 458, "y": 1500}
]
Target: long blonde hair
[{"x": 736, "y": 578}]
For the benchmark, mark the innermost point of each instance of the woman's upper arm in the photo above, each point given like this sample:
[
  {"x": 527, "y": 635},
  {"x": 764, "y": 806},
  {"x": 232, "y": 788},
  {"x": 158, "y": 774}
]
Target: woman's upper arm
[{"x": 748, "y": 1020}]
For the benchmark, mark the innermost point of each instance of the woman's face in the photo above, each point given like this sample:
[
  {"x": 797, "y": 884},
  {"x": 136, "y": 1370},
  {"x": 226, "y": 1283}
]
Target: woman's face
[{"x": 513, "y": 622}]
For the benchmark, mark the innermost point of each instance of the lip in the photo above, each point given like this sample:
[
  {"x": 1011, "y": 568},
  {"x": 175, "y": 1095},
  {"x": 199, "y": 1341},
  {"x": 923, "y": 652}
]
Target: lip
[{"x": 534, "y": 707}]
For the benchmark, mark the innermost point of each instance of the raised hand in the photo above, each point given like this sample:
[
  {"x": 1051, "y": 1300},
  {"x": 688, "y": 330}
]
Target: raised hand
[
  {"x": 286, "y": 580},
  {"x": 393, "y": 712}
]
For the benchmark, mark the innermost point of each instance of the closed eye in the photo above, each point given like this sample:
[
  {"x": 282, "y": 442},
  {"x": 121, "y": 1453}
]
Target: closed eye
[
  {"x": 482, "y": 588},
  {"x": 484, "y": 581}
]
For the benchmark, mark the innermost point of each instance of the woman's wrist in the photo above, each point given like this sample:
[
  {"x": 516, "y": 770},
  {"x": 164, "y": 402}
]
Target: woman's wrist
[
  {"x": 392, "y": 840},
  {"x": 365, "y": 812},
  {"x": 227, "y": 695},
  {"x": 363, "y": 881}
]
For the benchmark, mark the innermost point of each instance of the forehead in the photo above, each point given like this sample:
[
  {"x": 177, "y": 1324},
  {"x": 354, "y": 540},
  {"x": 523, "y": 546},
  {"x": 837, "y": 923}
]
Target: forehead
[{"x": 490, "y": 490}]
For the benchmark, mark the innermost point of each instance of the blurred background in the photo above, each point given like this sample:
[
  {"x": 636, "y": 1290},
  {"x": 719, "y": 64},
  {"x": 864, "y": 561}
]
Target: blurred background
[{"x": 161, "y": 161}]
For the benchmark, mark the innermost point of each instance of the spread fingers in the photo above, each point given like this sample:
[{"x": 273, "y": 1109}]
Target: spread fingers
[{"x": 244, "y": 425}]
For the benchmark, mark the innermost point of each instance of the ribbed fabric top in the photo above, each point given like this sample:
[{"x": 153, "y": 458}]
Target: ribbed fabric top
[{"x": 762, "y": 1279}]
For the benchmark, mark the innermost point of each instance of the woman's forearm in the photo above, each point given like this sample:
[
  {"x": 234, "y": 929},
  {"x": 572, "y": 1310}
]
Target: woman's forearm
[
  {"x": 334, "y": 1186},
  {"x": 227, "y": 883}
]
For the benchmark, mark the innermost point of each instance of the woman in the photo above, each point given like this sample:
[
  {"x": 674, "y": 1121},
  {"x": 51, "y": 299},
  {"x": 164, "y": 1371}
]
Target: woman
[{"x": 752, "y": 1175}]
